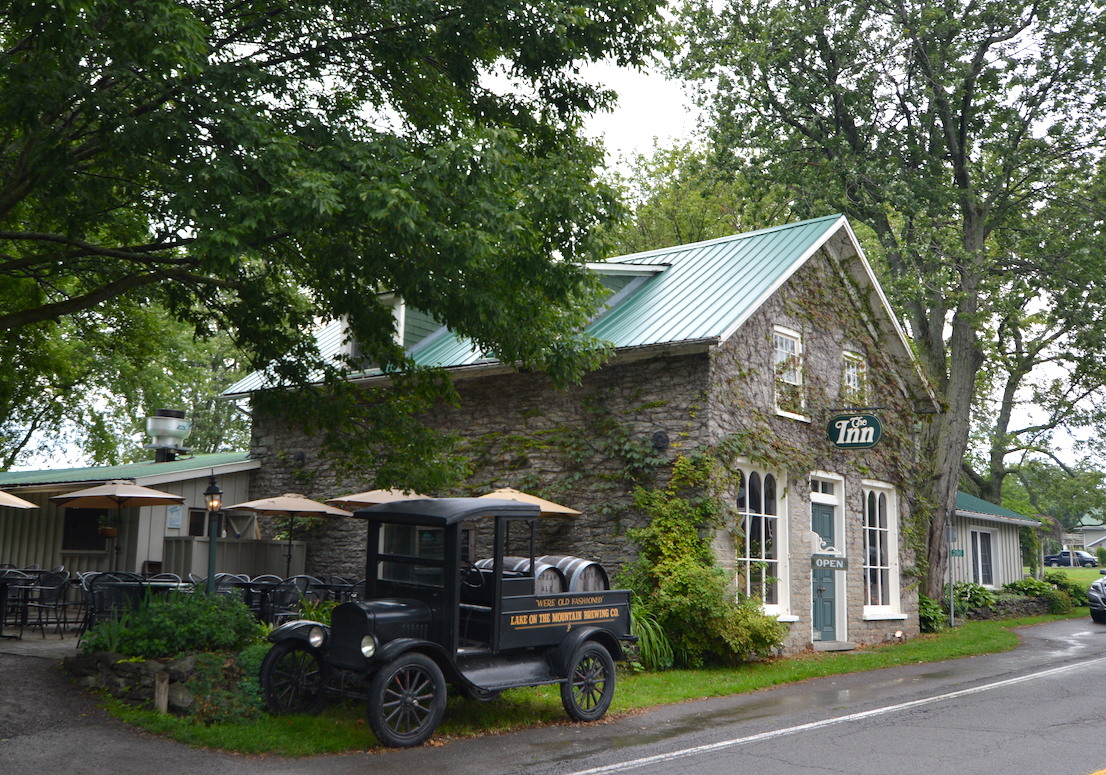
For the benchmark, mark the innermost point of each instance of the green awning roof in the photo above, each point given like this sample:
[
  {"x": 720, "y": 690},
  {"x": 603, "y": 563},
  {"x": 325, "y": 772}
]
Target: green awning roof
[{"x": 182, "y": 468}]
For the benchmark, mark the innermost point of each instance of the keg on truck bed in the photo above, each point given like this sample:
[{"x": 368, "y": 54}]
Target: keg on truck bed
[
  {"x": 548, "y": 580},
  {"x": 582, "y": 575}
]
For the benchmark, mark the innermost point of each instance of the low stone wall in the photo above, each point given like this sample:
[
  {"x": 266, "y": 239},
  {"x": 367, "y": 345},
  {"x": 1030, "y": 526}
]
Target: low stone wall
[
  {"x": 134, "y": 681},
  {"x": 1010, "y": 607}
]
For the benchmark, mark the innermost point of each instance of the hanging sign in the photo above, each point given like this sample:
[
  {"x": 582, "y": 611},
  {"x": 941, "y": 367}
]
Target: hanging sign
[
  {"x": 854, "y": 431},
  {"x": 828, "y": 562}
]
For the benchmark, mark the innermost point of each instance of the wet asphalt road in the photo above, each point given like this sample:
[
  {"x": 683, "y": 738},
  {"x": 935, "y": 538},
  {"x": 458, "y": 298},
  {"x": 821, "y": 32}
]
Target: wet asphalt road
[{"x": 883, "y": 721}]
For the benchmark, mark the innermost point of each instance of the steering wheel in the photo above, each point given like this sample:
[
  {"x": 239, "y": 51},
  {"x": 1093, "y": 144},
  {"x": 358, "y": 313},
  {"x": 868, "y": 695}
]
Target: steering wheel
[{"x": 471, "y": 576}]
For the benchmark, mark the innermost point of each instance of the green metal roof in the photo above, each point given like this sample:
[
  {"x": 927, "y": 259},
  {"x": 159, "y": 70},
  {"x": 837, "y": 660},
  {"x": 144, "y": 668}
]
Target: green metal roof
[
  {"x": 689, "y": 293},
  {"x": 698, "y": 293},
  {"x": 182, "y": 468},
  {"x": 971, "y": 506}
]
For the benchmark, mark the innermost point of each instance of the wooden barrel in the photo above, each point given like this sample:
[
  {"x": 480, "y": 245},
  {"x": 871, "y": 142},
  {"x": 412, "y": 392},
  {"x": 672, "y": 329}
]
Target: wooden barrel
[
  {"x": 548, "y": 580},
  {"x": 582, "y": 575}
]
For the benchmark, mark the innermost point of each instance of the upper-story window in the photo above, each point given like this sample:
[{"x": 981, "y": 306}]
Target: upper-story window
[
  {"x": 788, "y": 348},
  {"x": 854, "y": 379}
]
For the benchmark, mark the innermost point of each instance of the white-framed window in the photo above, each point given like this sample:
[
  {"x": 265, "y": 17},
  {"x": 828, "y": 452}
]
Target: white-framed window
[
  {"x": 759, "y": 550},
  {"x": 787, "y": 345},
  {"x": 881, "y": 551},
  {"x": 983, "y": 563},
  {"x": 854, "y": 379}
]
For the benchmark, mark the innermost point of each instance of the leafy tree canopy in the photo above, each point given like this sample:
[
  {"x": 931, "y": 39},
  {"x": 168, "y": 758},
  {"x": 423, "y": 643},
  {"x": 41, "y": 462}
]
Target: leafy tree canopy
[
  {"x": 946, "y": 130},
  {"x": 679, "y": 195},
  {"x": 256, "y": 168}
]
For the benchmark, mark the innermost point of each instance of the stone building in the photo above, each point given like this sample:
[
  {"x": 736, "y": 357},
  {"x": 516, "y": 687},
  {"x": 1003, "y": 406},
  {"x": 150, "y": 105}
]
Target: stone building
[{"x": 776, "y": 350}]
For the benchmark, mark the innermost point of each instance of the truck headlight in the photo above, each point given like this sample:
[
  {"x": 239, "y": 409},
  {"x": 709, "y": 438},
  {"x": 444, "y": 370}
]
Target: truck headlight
[
  {"x": 316, "y": 636},
  {"x": 368, "y": 646}
]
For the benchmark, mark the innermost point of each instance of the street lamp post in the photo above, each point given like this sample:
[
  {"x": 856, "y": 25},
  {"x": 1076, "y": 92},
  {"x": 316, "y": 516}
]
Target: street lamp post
[{"x": 214, "y": 497}]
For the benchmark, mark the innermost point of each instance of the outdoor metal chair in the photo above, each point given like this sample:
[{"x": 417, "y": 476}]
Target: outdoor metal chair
[
  {"x": 109, "y": 596},
  {"x": 17, "y": 585},
  {"x": 49, "y": 600},
  {"x": 311, "y": 589},
  {"x": 166, "y": 577},
  {"x": 284, "y": 602}
]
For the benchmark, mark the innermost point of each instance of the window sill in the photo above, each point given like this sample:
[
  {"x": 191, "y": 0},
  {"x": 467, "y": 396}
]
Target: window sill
[
  {"x": 792, "y": 415},
  {"x": 884, "y": 616},
  {"x": 786, "y": 618}
]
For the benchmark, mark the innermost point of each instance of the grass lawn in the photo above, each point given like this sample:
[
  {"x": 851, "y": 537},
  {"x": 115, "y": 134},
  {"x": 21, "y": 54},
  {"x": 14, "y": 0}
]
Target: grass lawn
[
  {"x": 342, "y": 726},
  {"x": 1082, "y": 576}
]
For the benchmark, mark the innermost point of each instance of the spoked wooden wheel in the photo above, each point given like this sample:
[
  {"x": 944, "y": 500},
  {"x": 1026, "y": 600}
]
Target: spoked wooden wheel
[
  {"x": 589, "y": 689},
  {"x": 406, "y": 700},
  {"x": 293, "y": 678}
]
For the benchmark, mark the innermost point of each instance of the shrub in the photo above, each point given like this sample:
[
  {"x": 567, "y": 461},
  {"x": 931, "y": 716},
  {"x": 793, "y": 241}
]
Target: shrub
[
  {"x": 968, "y": 595},
  {"x": 1059, "y": 600},
  {"x": 1064, "y": 583},
  {"x": 228, "y": 688},
  {"x": 653, "y": 649},
  {"x": 678, "y": 584},
  {"x": 176, "y": 624},
  {"x": 1100, "y": 553},
  {"x": 1030, "y": 587},
  {"x": 931, "y": 617}
]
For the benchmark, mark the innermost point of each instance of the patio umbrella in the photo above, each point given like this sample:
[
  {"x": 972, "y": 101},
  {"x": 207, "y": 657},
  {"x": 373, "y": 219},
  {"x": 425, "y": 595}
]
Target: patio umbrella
[
  {"x": 116, "y": 494},
  {"x": 373, "y": 498},
  {"x": 15, "y": 502},
  {"x": 289, "y": 505},
  {"x": 548, "y": 508}
]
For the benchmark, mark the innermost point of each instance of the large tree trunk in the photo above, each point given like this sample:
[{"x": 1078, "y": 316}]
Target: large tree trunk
[{"x": 947, "y": 438}]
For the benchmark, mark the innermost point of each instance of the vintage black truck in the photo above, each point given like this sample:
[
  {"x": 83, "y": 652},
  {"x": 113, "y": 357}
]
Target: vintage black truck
[{"x": 431, "y": 615}]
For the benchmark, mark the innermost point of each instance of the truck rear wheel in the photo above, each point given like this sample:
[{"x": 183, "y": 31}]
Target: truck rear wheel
[
  {"x": 589, "y": 688},
  {"x": 406, "y": 700},
  {"x": 293, "y": 678}
]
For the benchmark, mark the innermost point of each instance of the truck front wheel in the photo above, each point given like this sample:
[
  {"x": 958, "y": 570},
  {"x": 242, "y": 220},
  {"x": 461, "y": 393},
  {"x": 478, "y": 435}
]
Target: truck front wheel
[
  {"x": 589, "y": 688},
  {"x": 293, "y": 678},
  {"x": 406, "y": 700}
]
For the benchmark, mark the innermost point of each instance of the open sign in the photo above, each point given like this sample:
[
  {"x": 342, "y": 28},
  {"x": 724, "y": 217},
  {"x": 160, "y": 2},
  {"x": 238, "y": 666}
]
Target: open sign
[{"x": 828, "y": 562}]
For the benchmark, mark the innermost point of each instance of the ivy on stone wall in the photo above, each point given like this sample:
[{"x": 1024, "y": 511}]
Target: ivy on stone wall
[
  {"x": 824, "y": 300},
  {"x": 677, "y": 581},
  {"x": 603, "y": 453}
]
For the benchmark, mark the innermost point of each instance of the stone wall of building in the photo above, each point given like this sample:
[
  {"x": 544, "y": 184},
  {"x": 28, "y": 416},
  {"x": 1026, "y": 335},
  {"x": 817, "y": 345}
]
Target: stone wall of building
[
  {"x": 579, "y": 446},
  {"x": 588, "y": 445},
  {"x": 742, "y": 409}
]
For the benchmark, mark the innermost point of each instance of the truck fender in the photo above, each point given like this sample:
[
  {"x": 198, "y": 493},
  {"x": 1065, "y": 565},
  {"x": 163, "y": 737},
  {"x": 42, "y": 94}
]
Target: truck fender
[
  {"x": 562, "y": 656},
  {"x": 296, "y": 629},
  {"x": 395, "y": 648}
]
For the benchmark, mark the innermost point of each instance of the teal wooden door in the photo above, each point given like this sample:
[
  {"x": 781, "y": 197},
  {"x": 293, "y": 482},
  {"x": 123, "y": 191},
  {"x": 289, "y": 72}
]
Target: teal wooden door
[{"x": 824, "y": 582}]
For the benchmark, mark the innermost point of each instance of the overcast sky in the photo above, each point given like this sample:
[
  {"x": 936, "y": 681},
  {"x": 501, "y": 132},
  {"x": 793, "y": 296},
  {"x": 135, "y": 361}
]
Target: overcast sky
[{"x": 649, "y": 105}]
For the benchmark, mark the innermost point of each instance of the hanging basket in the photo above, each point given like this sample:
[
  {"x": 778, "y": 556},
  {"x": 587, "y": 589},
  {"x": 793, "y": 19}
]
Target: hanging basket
[{"x": 109, "y": 531}]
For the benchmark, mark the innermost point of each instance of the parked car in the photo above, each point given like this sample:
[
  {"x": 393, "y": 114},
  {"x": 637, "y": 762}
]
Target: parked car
[
  {"x": 1096, "y": 599},
  {"x": 1064, "y": 558},
  {"x": 432, "y": 615}
]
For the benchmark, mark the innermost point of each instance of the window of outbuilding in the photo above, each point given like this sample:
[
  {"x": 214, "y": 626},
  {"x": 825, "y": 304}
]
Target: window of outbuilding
[{"x": 81, "y": 531}]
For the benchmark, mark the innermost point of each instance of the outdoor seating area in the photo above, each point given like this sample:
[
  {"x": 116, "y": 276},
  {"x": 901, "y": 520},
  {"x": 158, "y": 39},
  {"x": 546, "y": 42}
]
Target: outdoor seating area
[{"x": 57, "y": 601}]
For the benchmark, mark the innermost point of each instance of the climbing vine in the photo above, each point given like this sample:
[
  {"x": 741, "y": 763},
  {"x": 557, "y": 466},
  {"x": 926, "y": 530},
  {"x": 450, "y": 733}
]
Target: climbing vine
[{"x": 678, "y": 582}]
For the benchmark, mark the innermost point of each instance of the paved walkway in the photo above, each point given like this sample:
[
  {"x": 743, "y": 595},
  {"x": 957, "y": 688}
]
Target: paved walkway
[{"x": 32, "y": 644}]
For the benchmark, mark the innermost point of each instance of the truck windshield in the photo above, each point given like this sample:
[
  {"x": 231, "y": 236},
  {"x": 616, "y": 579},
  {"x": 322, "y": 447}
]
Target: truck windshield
[{"x": 414, "y": 554}]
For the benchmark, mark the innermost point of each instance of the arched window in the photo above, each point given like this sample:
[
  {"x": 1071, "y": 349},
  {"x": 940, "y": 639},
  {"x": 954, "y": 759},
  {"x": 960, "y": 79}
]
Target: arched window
[
  {"x": 877, "y": 555},
  {"x": 757, "y": 549}
]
